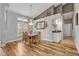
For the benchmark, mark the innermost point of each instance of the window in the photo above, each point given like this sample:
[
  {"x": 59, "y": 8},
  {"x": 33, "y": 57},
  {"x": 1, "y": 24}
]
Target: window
[{"x": 22, "y": 25}]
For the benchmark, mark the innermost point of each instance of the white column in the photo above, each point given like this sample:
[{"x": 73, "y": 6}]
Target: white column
[
  {"x": 76, "y": 27},
  {"x": 3, "y": 22}
]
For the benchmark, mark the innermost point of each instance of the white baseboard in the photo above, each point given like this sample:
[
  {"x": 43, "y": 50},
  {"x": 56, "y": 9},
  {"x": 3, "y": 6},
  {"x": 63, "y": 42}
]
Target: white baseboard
[
  {"x": 9, "y": 41},
  {"x": 77, "y": 47}
]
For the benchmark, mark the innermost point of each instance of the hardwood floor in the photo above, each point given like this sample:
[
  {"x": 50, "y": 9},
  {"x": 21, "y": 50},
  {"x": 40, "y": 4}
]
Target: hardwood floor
[{"x": 65, "y": 47}]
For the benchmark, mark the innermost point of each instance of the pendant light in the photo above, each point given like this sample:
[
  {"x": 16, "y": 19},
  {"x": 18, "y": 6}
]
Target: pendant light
[{"x": 31, "y": 20}]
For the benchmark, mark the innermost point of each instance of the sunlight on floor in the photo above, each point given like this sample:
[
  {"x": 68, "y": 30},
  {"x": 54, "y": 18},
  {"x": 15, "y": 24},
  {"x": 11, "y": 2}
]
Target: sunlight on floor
[
  {"x": 1, "y": 52},
  {"x": 20, "y": 49}
]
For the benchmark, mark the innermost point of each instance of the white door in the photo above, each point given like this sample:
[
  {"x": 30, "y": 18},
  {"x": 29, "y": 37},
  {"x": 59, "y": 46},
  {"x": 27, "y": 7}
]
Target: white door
[{"x": 67, "y": 29}]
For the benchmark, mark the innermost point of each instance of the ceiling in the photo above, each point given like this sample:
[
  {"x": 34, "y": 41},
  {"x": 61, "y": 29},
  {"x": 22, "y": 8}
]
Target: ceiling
[{"x": 25, "y": 9}]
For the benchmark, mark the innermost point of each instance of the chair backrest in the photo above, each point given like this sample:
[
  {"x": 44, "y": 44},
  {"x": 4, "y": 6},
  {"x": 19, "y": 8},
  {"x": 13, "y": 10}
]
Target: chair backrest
[
  {"x": 39, "y": 34},
  {"x": 25, "y": 36},
  {"x": 39, "y": 37}
]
